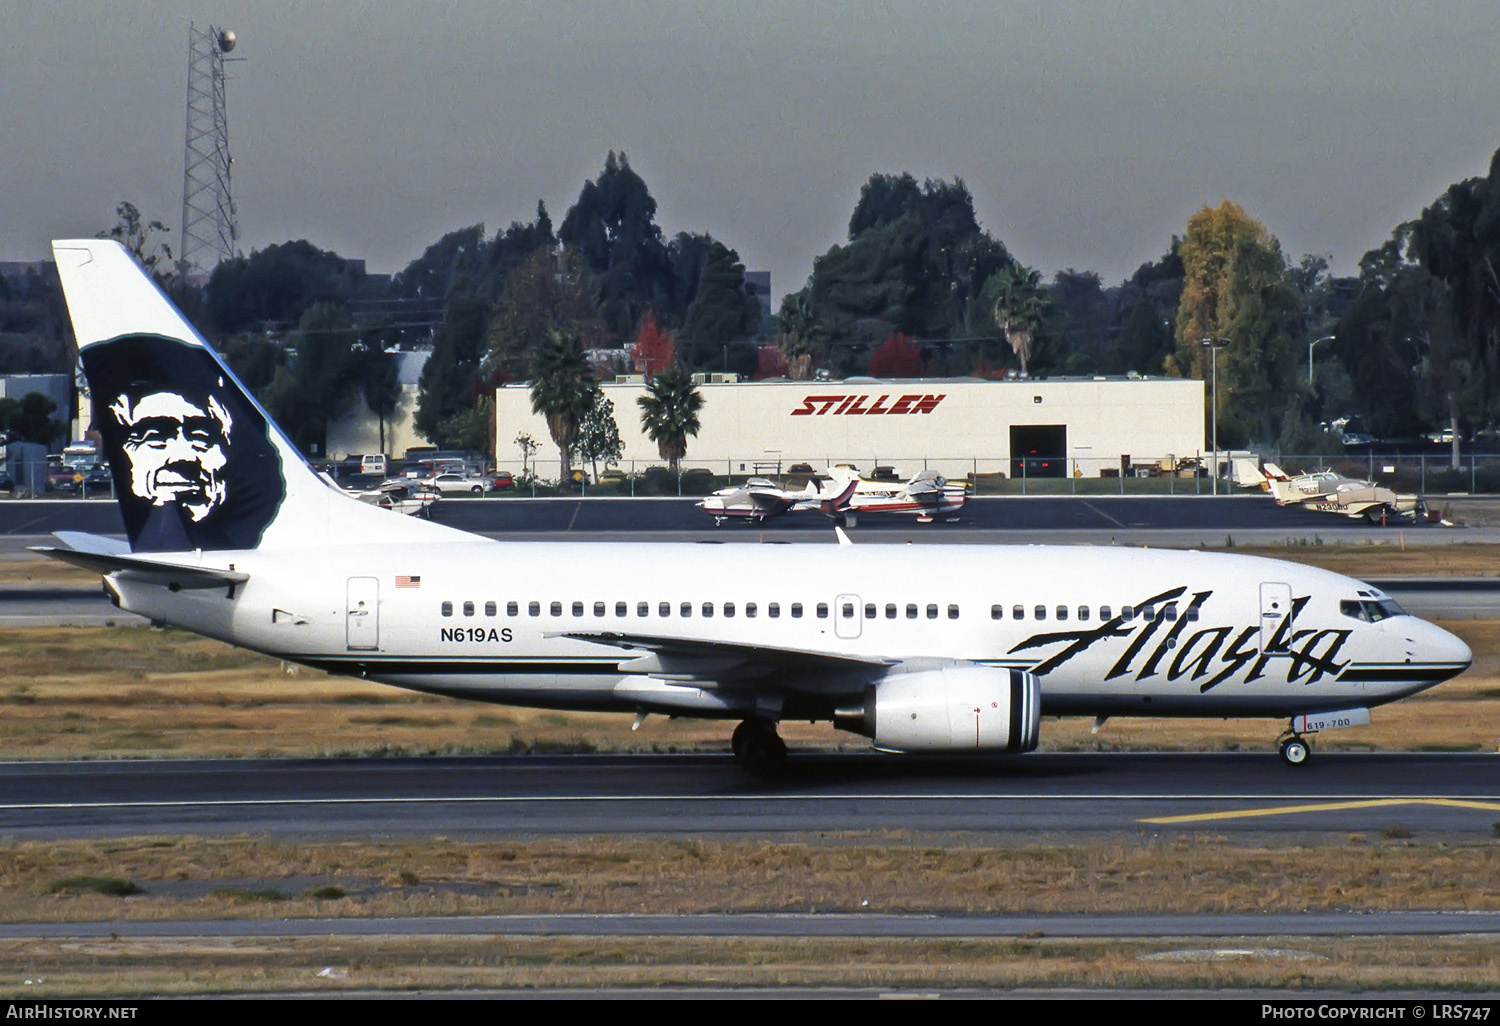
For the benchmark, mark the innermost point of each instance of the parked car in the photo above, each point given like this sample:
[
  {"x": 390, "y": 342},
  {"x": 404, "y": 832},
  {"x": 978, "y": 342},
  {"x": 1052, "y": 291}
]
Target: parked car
[
  {"x": 457, "y": 484},
  {"x": 504, "y": 479},
  {"x": 800, "y": 468},
  {"x": 63, "y": 478},
  {"x": 97, "y": 477},
  {"x": 612, "y": 474}
]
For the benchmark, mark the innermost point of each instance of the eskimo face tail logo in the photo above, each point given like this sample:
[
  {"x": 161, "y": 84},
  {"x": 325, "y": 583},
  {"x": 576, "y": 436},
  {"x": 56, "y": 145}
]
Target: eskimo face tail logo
[
  {"x": 176, "y": 450},
  {"x": 191, "y": 455}
]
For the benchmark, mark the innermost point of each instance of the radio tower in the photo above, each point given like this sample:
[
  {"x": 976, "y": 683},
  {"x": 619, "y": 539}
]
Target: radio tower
[{"x": 209, "y": 225}]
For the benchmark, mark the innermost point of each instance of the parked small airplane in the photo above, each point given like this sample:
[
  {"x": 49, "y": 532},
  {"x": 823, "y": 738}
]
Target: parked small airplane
[
  {"x": 414, "y": 498},
  {"x": 758, "y": 499},
  {"x": 1329, "y": 492},
  {"x": 941, "y": 648},
  {"x": 927, "y": 496}
]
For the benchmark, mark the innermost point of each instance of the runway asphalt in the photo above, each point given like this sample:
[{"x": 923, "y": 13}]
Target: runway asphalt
[
  {"x": 1247, "y": 519},
  {"x": 1057, "y": 795}
]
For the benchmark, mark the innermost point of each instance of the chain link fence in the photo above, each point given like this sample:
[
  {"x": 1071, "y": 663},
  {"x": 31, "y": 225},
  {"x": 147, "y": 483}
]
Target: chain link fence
[{"x": 1032, "y": 474}]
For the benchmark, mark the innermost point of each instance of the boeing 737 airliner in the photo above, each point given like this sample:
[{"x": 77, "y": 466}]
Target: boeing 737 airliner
[{"x": 942, "y": 648}]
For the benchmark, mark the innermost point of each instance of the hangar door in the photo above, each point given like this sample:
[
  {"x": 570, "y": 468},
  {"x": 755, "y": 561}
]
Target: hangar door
[{"x": 1038, "y": 450}]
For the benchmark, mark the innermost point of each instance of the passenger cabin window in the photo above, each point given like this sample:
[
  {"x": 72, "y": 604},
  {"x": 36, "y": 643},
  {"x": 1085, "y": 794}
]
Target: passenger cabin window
[
  {"x": 796, "y": 610},
  {"x": 512, "y": 609},
  {"x": 643, "y": 609},
  {"x": 708, "y": 609},
  {"x": 598, "y": 609},
  {"x": 1104, "y": 612},
  {"x": 750, "y": 609},
  {"x": 1083, "y": 612},
  {"x": 621, "y": 609},
  {"x": 911, "y": 610},
  {"x": 686, "y": 609},
  {"x": 1062, "y": 612},
  {"x": 468, "y": 609},
  {"x": 932, "y": 610},
  {"x": 490, "y": 609},
  {"x": 533, "y": 609},
  {"x": 890, "y": 610},
  {"x": 448, "y": 608},
  {"x": 729, "y": 609},
  {"x": 953, "y": 612},
  {"x": 1040, "y": 612},
  {"x": 823, "y": 611},
  {"x": 1169, "y": 612},
  {"x": 577, "y": 608},
  {"x": 869, "y": 610},
  {"x": 997, "y": 612},
  {"x": 1126, "y": 613},
  {"x": 773, "y": 610},
  {"x": 1018, "y": 612},
  {"x": 664, "y": 609},
  {"x": 555, "y": 609}
]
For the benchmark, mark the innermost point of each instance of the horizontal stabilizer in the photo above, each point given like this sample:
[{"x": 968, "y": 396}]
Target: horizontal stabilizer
[
  {"x": 149, "y": 571},
  {"x": 81, "y": 541}
]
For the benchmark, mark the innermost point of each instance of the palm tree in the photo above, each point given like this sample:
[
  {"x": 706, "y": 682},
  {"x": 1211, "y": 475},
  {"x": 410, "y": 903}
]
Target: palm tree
[
  {"x": 669, "y": 413},
  {"x": 562, "y": 391},
  {"x": 1020, "y": 305}
]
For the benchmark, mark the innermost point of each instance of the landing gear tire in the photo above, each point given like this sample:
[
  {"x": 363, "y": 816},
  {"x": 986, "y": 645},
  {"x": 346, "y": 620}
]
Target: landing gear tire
[
  {"x": 758, "y": 748},
  {"x": 1294, "y": 751}
]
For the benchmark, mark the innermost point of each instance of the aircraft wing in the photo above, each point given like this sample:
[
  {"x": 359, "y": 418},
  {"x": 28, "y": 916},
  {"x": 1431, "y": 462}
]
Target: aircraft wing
[
  {"x": 704, "y": 661},
  {"x": 767, "y": 502}
]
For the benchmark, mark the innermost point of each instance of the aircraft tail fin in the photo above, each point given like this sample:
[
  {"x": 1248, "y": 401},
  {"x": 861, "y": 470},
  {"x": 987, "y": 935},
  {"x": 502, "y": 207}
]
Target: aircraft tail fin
[
  {"x": 1280, "y": 485},
  {"x": 838, "y": 503},
  {"x": 197, "y": 463}
]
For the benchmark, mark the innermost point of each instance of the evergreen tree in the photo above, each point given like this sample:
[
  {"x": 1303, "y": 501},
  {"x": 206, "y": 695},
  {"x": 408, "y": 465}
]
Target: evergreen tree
[
  {"x": 316, "y": 385},
  {"x": 915, "y": 261},
  {"x": 613, "y": 226}
]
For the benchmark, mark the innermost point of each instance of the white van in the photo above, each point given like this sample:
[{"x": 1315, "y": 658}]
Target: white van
[{"x": 373, "y": 463}]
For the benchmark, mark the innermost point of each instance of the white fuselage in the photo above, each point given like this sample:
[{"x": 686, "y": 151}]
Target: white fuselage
[{"x": 1208, "y": 634}]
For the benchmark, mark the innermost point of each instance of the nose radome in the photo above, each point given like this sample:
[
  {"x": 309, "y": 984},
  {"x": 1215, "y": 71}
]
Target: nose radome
[{"x": 1448, "y": 648}]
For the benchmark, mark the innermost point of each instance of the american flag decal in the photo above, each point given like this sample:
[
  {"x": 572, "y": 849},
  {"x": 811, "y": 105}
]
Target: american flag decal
[{"x": 408, "y": 580}]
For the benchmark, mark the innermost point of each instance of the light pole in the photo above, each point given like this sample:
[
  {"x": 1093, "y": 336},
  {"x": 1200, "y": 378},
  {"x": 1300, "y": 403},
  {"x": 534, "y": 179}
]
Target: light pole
[
  {"x": 1325, "y": 338},
  {"x": 1214, "y": 345}
]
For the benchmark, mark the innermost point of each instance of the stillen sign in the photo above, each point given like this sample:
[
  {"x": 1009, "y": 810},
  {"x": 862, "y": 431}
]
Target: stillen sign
[{"x": 850, "y": 405}]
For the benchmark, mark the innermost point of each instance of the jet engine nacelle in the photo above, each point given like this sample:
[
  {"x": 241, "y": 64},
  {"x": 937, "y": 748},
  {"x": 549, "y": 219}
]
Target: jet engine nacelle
[{"x": 950, "y": 709}]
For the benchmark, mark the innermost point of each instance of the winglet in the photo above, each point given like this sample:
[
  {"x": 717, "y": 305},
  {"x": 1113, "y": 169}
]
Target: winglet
[{"x": 842, "y": 537}]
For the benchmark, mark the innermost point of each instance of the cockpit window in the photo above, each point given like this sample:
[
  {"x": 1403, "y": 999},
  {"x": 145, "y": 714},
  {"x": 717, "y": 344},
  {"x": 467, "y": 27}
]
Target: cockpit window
[{"x": 1370, "y": 610}]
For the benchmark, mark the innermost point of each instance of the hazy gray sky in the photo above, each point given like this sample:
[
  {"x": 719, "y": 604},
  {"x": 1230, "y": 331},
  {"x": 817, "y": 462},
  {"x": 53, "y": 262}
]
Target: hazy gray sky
[{"x": 1088, "y": 132}]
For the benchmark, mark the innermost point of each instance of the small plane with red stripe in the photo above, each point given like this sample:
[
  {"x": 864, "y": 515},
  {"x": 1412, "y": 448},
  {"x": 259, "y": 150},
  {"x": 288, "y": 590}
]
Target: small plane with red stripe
[{"x": 927, "y": 496}]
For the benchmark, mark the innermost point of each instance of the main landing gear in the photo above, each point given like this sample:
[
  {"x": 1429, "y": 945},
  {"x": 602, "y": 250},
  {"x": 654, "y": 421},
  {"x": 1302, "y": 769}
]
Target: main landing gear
[
  {"x": 758, "y": 748},
  {"x": 1294, "y": 748}
]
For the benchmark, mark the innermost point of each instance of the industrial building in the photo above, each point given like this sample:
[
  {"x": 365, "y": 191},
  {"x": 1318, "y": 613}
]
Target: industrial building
[{"x": 1087, "y": 427}]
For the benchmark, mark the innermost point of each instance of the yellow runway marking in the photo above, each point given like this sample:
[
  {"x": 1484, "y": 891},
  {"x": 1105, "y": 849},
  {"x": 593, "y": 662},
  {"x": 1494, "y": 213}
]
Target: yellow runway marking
[{"x": 1288, "y": 810}]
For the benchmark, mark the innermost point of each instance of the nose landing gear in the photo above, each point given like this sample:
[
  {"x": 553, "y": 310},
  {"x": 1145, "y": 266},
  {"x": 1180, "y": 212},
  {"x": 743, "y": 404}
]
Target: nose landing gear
[{"x": 1294, "y": 748}]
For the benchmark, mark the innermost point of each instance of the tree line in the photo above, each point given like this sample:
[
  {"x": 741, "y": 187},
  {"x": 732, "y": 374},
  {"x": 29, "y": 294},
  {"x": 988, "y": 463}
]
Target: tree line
[{"x": 916, "y": 288}]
